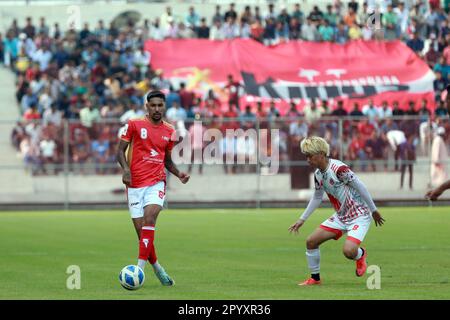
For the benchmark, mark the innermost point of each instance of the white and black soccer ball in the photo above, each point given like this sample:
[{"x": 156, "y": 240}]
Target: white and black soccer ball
[{"x": 132, "y": 277}]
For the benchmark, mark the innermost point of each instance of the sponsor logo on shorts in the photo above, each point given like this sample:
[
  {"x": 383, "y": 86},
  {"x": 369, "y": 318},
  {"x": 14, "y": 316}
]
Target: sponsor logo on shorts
[
  {"x": 331, "y": 219},
  {"x": 355, "y": 227},
  {"x": 134, "y": 204},
  {"x": 161, "y": 194}
]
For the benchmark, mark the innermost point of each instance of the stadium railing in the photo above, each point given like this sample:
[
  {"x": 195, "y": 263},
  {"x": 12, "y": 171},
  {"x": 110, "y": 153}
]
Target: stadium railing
[{"x": 264, "y": 164}]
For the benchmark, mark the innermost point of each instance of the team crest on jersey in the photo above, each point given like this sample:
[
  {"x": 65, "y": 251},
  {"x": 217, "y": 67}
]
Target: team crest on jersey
[{"x": 165, "y": 138}]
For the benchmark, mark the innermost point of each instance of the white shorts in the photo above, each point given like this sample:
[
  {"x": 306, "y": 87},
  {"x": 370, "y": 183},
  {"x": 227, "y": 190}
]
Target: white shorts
[
  {"x": 356, "y": 229},
  {"x": 138, "y": 198}
]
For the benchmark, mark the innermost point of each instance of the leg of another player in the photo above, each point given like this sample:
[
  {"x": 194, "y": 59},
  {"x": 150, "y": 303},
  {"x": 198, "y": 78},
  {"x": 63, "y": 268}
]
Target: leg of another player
[
  {"x": 353, "y": 251},
  {"x": 313, "y": 242}
]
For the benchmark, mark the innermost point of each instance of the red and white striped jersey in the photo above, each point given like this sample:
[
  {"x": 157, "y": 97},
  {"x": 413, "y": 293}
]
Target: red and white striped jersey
[{"x": 346, "y": 200}]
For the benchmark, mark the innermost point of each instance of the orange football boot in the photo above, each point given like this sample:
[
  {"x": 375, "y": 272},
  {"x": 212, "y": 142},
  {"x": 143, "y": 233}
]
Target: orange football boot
[
  {"x": 361, "y": 264},
  {"x": 309, "y": 282}
]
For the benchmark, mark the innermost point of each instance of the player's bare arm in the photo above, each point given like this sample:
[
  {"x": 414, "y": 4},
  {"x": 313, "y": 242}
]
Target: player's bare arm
[
  {"x": 184, "y": 177},
  {"x": 436, "y": 193},
  {"x": 126, "y": 175}
]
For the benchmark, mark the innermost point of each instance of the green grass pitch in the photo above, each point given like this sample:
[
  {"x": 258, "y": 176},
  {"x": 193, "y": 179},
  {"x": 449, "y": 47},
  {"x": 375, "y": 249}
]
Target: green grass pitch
[{"x": 220, "y": 254}]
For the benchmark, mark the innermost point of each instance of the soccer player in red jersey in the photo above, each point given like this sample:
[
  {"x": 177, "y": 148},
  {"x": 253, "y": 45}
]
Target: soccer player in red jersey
[
  {"x": 351, "y": 200},
  {"x": 144, "y": 153}
]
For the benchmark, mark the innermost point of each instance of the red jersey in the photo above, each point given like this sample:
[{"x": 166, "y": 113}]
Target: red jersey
[{"x": 149, "y": 144}]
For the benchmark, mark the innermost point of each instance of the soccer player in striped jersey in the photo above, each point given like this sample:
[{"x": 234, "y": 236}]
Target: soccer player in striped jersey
[{"x": 352, "y": 202}]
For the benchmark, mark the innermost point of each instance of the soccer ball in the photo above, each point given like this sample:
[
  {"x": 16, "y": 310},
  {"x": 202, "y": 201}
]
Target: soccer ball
[{"x": 131, "y": 277}]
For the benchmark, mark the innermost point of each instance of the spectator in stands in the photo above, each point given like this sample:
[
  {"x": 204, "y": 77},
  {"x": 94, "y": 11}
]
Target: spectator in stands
[
  {"x": 186, "y": 97},
  {"x": 196, "y": 133},
  {"x": 439, "y": 157},
  {"x": 396, "y": 111},
  {"x": 339, "y": 111},
  {"x": 247, "y": 118},
  {"x": 356, "y": 151},
  {"x": 176, "y": 115},
  {"x": 31, "y": 113},
  {"x": 80, "y": 149},
  {"x": 385, "y": 111},
  {"x": 411, "y": 111},
  {"x": 375, "y": 149},
  {"x": 231, "y": 13},
  {"x": 356, "y": 112},
  {"x": 371, "y": 111},
  {"x": 395, "y": 138},
  {"x": 100, "y": 151},
  {"x": 407, "y": 153},
  {"x": 312, "y": 112},
  {"x": 441, "y": 110},
  {"x": 203, "y": 30},
  {"x": 415, "y": 43},
  {"x": 48, "y": 152},
  {"x": 192, "y": 18},
  {"x": 88, "y": 116},
  {"x": 52, "y": 115}
]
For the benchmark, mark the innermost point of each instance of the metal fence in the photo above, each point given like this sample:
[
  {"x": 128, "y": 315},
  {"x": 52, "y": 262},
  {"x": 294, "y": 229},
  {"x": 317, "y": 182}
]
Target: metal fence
[{"x": 244, "y": 160}]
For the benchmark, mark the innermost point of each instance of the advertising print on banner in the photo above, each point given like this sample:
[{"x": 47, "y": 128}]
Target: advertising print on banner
[{"x": 298, "y": 71}]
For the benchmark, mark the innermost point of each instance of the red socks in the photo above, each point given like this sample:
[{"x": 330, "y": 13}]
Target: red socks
[{"x": 146, "y": 247}]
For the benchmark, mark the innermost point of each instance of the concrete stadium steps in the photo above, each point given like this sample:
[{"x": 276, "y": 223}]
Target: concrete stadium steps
[{"x": 14, "y": 178}]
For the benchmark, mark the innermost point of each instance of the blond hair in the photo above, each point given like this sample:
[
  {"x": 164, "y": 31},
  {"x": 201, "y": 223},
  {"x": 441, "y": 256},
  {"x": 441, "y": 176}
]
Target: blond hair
[{"x": 315, "y": 145}]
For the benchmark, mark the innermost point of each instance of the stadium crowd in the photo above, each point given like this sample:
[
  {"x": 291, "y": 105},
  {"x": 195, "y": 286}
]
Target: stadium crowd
[{"x": 100, "y": 74}]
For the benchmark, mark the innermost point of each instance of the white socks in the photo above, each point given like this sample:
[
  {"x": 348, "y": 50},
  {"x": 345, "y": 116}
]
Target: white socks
[
  {"x": 313, "y": 257},
  {"x": 141, "y": 263},
  {"x": 156, "y": 266},
  {"x": 359, "y": 255}
]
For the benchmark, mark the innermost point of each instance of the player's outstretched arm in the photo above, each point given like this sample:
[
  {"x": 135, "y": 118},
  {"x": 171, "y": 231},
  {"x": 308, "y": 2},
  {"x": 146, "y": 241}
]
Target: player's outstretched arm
[
  {"x": 168, "y": 163},
  {"x": 313, "y": 204},
  {"x": 121, "y": 158},
  {"x": 356, "y": 184},
  {"x": 436, "y": 193}
]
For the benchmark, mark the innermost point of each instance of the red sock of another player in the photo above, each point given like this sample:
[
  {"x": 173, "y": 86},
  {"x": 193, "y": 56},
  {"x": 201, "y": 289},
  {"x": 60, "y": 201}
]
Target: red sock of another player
[{"x": 146, "y": 242}]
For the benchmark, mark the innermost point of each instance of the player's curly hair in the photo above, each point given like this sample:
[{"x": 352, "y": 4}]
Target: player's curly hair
[{"x": 315, "y": 145}]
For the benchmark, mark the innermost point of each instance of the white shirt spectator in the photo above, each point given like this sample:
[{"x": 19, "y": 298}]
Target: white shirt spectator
[
  {"x": 52, "y": 116},
  {"x": 176, "y": 113},
  {"x": 142, "y": 58},
  {"x": 385, "y": 112},
  {"x": 298, "y": 129},
  {"x": 42, "y": 57},
  {"x": 88, "y": 116},
  {"x": 216, "y": 33},
  {"x": 395, "y": 137},
  {"x": 156, "y": 33},
  {"x": 309, "y": 32},
  {"x": 131, "y": 114},
  {"x": 48, "y": 148},
  {"x": 45, "y": 101}
]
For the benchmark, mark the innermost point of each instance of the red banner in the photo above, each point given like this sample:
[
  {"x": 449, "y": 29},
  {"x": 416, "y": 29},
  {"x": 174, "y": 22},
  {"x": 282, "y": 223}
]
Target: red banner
[{"x": 298, "y": 71}]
